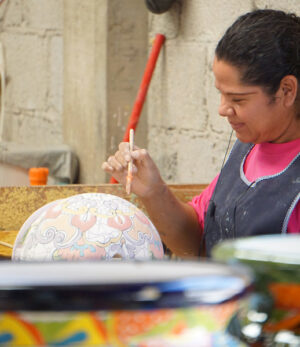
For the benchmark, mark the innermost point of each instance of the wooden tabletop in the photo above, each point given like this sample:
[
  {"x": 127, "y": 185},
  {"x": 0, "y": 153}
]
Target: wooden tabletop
[{"x": 7, "y": 236}]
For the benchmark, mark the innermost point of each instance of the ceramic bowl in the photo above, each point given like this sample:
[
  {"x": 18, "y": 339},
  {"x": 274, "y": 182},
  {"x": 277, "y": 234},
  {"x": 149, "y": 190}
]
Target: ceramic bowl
[
  {"x": 133, "y": 304},
  {"x": 274, "y": 310}
]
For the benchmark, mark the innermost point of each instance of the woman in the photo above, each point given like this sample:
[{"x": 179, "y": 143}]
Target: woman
[{"x": 257, "y": 71}]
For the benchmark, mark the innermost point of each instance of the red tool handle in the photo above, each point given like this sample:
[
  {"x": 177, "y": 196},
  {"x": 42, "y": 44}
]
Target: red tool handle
[{"x": 139, "y": 101}]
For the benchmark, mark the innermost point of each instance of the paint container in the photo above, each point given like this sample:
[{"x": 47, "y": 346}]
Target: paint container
[
  {"x": 135, "y": 304},
  {"x": 38, "y": 176}
]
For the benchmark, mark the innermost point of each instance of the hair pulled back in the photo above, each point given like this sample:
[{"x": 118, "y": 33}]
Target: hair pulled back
[{"x": 265, "y": 46}]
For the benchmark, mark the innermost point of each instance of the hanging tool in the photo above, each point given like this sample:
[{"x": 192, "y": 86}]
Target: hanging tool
[{"x": 159, "y": 6}]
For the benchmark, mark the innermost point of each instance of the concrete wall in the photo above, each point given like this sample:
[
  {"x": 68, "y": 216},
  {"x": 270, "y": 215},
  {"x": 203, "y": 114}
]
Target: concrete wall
[
  {"x": 70, "y": 63},
  {"x": 105, "y": 50},
  {"x": 31, "y": 35}
]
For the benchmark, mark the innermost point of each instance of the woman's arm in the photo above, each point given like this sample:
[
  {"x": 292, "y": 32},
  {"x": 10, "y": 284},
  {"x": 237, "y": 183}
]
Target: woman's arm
[{"x": 176, "y": 222}]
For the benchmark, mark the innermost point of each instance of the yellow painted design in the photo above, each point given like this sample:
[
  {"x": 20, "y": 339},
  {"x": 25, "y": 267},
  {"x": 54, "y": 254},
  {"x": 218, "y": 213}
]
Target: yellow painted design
[{"x": 21, "y": 336}]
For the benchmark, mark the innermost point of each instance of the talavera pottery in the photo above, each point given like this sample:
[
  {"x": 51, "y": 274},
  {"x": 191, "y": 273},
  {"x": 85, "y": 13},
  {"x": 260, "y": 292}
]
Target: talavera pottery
[{"x": 88, "y": 226}]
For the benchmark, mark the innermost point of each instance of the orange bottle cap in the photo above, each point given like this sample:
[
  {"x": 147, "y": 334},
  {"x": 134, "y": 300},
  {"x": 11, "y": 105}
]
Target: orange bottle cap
[{"x": 38, "y": 176}]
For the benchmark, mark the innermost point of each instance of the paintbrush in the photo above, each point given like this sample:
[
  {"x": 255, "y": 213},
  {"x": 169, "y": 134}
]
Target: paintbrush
[{"x": 129, "y": 172}]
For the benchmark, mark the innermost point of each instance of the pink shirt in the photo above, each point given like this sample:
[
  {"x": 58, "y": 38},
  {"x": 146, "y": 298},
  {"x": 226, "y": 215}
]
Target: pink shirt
[{"x": 264, "y": 159}]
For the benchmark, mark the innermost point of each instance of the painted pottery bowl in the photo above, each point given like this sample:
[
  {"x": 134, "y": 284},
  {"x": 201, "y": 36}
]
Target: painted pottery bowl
[
  {"x": 275, "y": 260},
  {"x": 88, "y": 226},
  {"x": 135, "y": 304}
]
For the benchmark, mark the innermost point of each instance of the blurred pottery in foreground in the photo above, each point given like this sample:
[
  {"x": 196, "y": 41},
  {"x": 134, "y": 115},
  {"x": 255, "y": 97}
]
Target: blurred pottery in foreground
[
  {"x": 273, "y": 315},
  {"x": 136, "y": 304}
]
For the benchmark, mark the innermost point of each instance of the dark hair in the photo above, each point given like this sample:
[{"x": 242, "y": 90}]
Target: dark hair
[{"x": 265, "y": 46}]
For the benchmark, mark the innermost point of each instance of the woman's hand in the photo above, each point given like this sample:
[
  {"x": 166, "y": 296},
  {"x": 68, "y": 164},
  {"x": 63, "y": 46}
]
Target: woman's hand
[
  {"x": 146, "y": 180},
  {"x": 176, "y": 222}
]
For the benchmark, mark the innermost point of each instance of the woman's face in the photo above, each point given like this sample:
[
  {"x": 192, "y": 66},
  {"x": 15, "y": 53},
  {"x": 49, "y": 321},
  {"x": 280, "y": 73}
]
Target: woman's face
[{"x": 252, "y": 114}]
